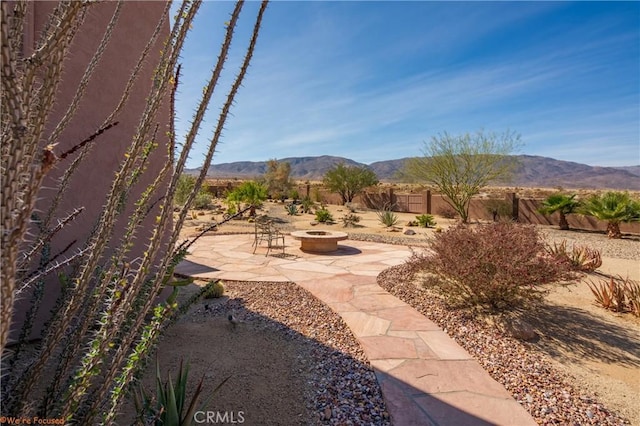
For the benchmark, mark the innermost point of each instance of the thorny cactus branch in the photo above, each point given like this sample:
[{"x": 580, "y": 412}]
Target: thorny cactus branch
[
  {"x": 73, "y": 106},
  {"x": 101, "y": 331}
]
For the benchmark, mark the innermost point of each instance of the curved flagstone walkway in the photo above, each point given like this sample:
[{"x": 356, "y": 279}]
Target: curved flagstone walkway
[{"x": 426, "y": 377}]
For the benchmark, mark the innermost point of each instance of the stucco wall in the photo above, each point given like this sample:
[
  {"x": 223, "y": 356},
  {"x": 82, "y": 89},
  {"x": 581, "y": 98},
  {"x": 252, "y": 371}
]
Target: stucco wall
[{"x": 92, "y": 180}]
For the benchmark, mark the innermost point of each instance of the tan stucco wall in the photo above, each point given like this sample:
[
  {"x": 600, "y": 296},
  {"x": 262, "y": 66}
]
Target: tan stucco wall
[{"x": 93, "y": 178}]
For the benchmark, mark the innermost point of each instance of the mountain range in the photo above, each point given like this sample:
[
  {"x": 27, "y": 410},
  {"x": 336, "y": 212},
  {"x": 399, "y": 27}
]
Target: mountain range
[{"x": 533, "y": 171}]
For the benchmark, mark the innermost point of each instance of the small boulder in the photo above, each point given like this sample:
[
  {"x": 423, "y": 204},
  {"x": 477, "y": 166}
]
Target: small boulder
[
  {"x": 409, "y": 232},
  {"x": 518, "y": 329}
]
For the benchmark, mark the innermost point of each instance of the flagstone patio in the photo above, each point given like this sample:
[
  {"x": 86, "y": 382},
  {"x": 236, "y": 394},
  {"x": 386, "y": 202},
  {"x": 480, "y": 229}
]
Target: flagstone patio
[{"x": 426, "y": 377}]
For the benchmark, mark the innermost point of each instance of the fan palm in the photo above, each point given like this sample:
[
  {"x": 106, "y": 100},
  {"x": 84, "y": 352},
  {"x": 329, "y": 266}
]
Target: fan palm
[
  {"x": 563, "y": 204},
  {"x": 250, "y": 192},
  {"x": 614, "y": 207}
]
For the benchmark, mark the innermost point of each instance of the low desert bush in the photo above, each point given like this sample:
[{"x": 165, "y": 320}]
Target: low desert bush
[
  {"x": 324, "y": 216},
  {"x": 447, "y": 212},
  {"x": 307, "y": 204},
  {"x": 617, "y": 294},
  {"x": 387, "y": 217},
  {"x": 499, "y": 266},
  {"x": 185, "y": 186},
  {"x": 292, "y": 209},
  {"x": 203, "y": 200},
  {"x": 350, "y": 220},
  {"x": 581, "y": 258}
]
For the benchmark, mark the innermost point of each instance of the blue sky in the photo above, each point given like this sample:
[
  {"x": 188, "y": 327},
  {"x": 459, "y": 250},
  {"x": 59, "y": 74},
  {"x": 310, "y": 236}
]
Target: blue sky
[{"x": 374, "y": 81}]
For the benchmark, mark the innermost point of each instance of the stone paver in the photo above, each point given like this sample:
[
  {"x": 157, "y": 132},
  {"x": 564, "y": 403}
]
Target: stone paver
[{"x": 426, "y": 377}]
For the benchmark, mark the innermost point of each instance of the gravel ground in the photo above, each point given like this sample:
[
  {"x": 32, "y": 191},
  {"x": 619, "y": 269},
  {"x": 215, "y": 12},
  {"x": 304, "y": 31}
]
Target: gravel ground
[
  {"x": 342, "y": 387},
  {"x": 548, "y": 394}
]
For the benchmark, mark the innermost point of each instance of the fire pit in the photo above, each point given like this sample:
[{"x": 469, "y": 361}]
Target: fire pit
[{"x": 319, "y": 241}]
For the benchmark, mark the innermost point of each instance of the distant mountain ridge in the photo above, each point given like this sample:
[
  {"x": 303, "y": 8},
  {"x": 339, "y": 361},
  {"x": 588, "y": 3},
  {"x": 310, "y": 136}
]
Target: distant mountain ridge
[{"x": 533, "y": 171}]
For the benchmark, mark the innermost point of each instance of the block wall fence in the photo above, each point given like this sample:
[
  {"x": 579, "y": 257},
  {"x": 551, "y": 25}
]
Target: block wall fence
[{"x": 523, "y": 210}]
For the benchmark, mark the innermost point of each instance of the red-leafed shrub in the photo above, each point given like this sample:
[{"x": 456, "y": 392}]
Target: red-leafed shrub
[{"x": 499, "y": 266}]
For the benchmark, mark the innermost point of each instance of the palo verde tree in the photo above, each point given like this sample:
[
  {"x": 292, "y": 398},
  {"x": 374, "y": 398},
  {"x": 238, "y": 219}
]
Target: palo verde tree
[
  {"x": 563, "y": 204},
  {"x": 349, "y": 181},
  {"x": 107, "y": 317},
  {"x": 460, "y": 166},
  {"x": 614, "y": 207}
]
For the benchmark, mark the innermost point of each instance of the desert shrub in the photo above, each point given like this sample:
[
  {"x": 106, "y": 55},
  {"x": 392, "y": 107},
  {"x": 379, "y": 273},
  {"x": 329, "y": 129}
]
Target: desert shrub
[
  {"x": 324, "y": 216},
  {"x": 499, "y": 209},
  {"x": 581, "y": 258},
  {"x": 447, "y": 212},
  {"x": 307, "y": 204},
  {"x": 499, "y": 266},
  {"x": 294, "y": 194},
  {"x": 426, "y": 220},
  {"x": 316, "y": 195},
  {"x": 203, "y": 200},
  {"x": 353, "y": 207},
  {"x": 617, "y": 294},
  {"x": 350, "y": 220},
  {"x": 292, "y": 209},
  {"x": 185, "y": 185},
  {"x": 387, "y": 217}
]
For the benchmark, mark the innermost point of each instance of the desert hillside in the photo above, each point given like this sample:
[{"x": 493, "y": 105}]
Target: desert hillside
[{"x": 533, "y": 171}]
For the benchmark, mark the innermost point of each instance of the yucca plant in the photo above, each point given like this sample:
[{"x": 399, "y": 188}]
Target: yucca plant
[
  {"x": 387, "y": 217},
  {"x": 614, "y": 207},
  {"x": 292, "y": 209}
]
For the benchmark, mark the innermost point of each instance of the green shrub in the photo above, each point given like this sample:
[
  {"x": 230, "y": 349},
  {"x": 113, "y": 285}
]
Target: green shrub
[
  {"x": 324, "y": 216},
  {"x": 307, "y": 204},
  {"x": 499, "y": 266},
  {"x": 387, "y": 217},
  {"x": 292, "y": 209},
  {"x": 184, "y": 188},
  {"x": 426, "y": 220},
  {"x": 294, "y": 195},
  {"x": 203, "y": 200},
  {"x": 350, "y": 220}
]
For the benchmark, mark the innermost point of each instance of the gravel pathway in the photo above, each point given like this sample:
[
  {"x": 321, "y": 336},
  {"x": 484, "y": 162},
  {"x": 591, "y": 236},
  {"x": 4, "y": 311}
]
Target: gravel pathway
[{"x": 343, "y": 389}]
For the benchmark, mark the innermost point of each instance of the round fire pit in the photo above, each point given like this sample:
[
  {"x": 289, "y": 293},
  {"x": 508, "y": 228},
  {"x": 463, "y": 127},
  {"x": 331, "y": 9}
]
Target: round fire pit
[{"x": 319, "y": 241}]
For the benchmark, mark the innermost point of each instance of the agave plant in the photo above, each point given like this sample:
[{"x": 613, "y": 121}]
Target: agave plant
[
  {"x": 561, "y": 203},
  {"x": 171, "y": 407},
  {"x": 613, "y": 207}
]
